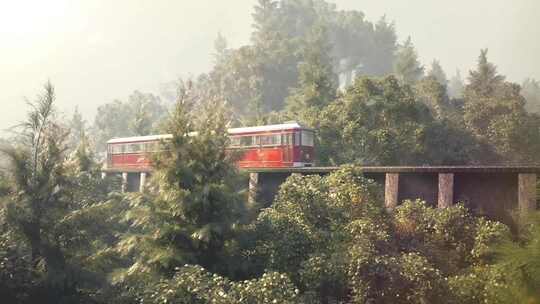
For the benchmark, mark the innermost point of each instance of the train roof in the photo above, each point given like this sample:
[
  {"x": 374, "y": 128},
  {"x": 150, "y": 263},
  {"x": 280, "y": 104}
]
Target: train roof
[
  {"x": 139, "y": 138},
  {"x": 277, "y": 127},
  {"x": 242, "y": 130}
]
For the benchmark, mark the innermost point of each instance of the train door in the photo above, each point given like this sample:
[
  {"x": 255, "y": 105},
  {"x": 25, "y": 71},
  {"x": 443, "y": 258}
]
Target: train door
[{"x": 287, "y": 143}]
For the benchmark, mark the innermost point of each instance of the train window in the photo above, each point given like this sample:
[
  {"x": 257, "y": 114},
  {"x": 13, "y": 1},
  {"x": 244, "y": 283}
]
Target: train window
[
  {"x": 286, "y": 139},
  {"x": 270, "y": 140},
  {"x": 151, "y": 147},
  {"x": 307, "y": 138},
  {"x": 118, "y": 149},
  {"x": 296, "y": 138},
  {"x": 246, "y": 141},
  {"x": 235, "y": 141},
  {"x": 133, "y": 148}
]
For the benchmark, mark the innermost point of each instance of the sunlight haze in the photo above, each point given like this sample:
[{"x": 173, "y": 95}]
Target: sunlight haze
[{"x": 98, "y": 51}]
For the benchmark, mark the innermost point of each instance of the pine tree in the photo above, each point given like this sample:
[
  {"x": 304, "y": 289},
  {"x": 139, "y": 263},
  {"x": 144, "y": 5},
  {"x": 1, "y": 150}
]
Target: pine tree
[
  {"x": 407, "y": 66},
  {"x": 384, "y": 49},
  {"x": 531, "y": 92},
  {"x": 438, "y": 72},
  {"x": 456, "y": 86},
  {"x": 484, "y": 80},
  {"x": 77, "y": 127},
  {"x": 265, "y": 21},
  {"x": 192, "y": 204},
  {"x": 220, "y": 48},
  {"x": 316, "y": 84}
]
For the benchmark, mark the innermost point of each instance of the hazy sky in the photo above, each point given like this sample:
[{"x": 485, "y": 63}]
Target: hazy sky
[{"x": 95, "y": 51}]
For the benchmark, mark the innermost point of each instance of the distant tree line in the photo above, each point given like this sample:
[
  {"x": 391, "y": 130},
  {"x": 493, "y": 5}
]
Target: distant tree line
[
  {"x": 368, "y": 96},
  {"x": 69, "y": 236}
]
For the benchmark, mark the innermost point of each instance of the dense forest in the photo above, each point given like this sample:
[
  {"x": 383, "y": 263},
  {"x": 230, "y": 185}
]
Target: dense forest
[{"x": 68, "y": 235}]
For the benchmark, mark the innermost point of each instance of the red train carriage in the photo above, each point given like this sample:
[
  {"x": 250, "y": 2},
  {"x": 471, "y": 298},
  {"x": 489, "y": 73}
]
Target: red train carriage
[{"x": 271, "y": 146}]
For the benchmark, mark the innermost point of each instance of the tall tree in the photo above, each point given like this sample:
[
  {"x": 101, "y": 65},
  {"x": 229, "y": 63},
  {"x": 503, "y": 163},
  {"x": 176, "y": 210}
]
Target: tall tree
[
  {"x": 432, "y": 92},
  {"x": 220, "y": 48},
  {"x": 40, "y": 207},
  {"x": 384, "y": 49},
  {"x": 484, "y": 80},
  {"x": 189, "y": 215},
  {"x": 494, "y": 112},
  {"x": 456, "y": 87},
  {"x": 407, "y": 67},
  {"x": 531, "y": 92},
  {"x": 37, "y": 175},
  {"x": 77, "y": 129},
  {"x": 140, "y": 115},
  {"x": 437, "y": 72},
  {"x": 316, "y": 83}
]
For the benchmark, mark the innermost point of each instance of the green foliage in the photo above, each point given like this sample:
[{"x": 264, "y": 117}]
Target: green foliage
[
  {"x": 337, "y": 244},
  {"x": 287, "y": 52},
  {"x": 432, "y": 92},
  {"x": 188, "y": 214},
  {"x": 481, "y": 284},
  {"x": 193, "y": 284},
  {"x": 494, "y": 112},
  {"x": 140, "y": 115},
  {"x": 531, "y": 93},
  {"x": 381, "y": 122},
  {"x": 52, "y": 218},
  {"x": 450, "y": 238},
  {"x": 407, "y": 67},
  {"x": 316, "y": 86},
  {"x": 520, "y": 263},
  {"x": 456, "y": 87},
  {"x": 484, "y": 80},
  {"x": 438, "y": 73}
]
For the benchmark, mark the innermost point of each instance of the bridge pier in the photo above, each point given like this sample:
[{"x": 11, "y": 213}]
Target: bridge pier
[
  {"x": 526, "y": 193},
  {"x": 124, "y": 181},
  {"x": 391, "y": 190},
  {"x": 142, "y": 182},
  {"x": 253, "y": 188},
  {"x": 446, "y": 190}
]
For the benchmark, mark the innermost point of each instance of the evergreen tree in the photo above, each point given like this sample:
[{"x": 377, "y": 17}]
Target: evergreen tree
[
  {"x": 43, "y": 216},
  {"x": 316, "y": 80},
  {"x": 520, "y": 262},
  {"x": 384, "y": 48},
  {"x": 407, "y": 67},
  {"x": 456, "y": 87},
  {"x": 433, "y": 93},
  {"x": 484, "y": 80},
  {"x": 38, "y": 180},
  {"x": 193, "y": 205},
  {"x": 531, "y": 92},
  {"x": 220, "y": 48},
  {"x": 494, "y": 111},
  {"x": 265, "y": 20},
  {"x": 437, "y": 72},
  {"x": 140, "y": 115},
  {"x": 77, "y": 127}
]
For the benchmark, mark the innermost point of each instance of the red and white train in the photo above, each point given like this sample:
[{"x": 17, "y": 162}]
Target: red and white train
[{"x": 270, "y": 146}]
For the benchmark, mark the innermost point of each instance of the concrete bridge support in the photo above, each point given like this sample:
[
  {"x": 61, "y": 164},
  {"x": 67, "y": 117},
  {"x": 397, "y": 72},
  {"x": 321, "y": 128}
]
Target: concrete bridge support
[
  {"x": 253, "y": 188},
  {"x": 124, "y": 181},
  {"x": 446, "y": 190},
  {"x": 527, "y": 199},
  {"x": 391, "y": 190},
  {"x": 495, "y": 192},
  {"x": 142, "y": 183}
]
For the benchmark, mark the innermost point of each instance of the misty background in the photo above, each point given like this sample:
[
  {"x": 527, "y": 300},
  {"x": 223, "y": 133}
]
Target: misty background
[{"x": 98, "y": 51}]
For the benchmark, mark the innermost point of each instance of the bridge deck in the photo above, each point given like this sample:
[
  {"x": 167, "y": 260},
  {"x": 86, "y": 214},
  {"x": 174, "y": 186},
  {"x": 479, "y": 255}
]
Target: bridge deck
[{"x": 406, "y": 169}]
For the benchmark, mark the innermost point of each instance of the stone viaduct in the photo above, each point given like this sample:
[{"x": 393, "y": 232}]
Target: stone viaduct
[{"x": 494, "y": 191}]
